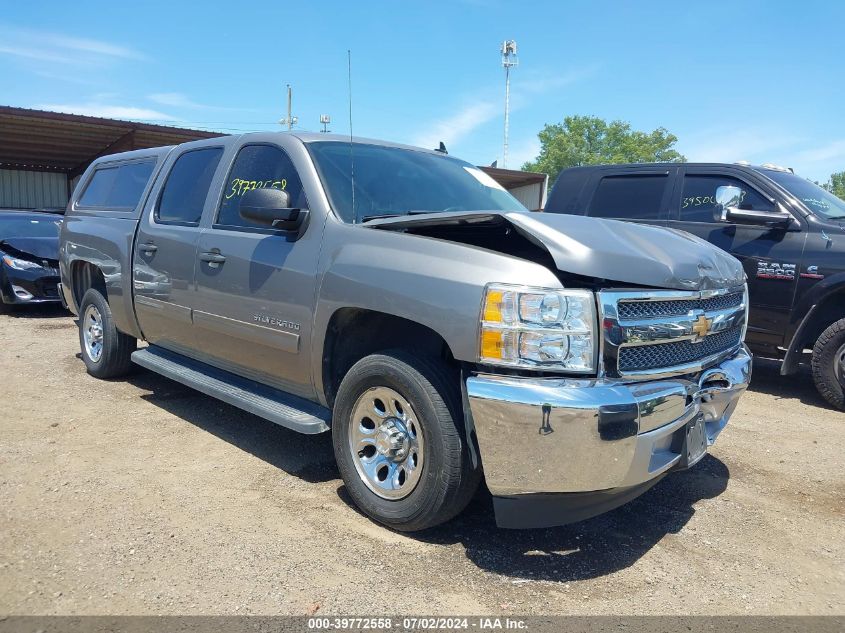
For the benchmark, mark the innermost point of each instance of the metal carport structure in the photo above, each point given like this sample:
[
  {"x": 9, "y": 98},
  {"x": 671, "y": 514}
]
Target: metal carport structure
[{"x": 43, "y": 153}]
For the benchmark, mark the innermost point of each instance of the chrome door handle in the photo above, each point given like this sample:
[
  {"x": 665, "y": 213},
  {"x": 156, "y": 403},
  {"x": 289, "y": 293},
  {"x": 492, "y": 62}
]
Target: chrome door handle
[{"x": 212, "y": 258}]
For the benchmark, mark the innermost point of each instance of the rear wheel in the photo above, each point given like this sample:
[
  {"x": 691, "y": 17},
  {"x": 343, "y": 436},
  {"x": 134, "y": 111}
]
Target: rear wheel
[
  {"x": 829, "y": 364},
  {"x": 399, "y": 441},
  {"x": 105, "y": 351}
]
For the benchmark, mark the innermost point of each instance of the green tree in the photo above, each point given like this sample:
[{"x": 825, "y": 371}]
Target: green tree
[
  {"x": 587, "y": 140},
  {"x": 836, "y": 184}
]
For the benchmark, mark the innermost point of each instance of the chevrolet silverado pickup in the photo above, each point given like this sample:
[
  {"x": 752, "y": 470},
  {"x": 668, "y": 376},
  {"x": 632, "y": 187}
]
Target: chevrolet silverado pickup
[{"x": 402, "y": 300}]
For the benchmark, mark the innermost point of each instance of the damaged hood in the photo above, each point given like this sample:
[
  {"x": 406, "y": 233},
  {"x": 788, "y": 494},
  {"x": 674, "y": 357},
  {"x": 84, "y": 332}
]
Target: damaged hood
[
  {"x": 33, "y": 247},
  {"x": 606, "y": 249}
]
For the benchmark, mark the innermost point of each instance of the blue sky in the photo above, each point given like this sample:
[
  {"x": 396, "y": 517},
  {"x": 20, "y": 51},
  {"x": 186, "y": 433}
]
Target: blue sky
[{"x": 758, "y": 81}]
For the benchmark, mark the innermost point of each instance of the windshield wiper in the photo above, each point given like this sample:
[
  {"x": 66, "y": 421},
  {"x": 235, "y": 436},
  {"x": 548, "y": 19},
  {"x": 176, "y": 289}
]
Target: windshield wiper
[
  {"x": 380, "y": 216},
  {"x": 367, "y": 218}
]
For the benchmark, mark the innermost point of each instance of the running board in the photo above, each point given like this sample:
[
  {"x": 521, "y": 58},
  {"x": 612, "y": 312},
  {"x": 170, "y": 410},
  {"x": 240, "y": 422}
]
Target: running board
[{"x": 271, "y": 404}]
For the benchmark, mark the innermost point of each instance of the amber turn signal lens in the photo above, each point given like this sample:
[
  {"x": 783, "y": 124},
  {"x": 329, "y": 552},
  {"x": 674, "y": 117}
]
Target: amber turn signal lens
[
  {"x": 492, "y": 342},
  {"x": 493, "y": 306}
]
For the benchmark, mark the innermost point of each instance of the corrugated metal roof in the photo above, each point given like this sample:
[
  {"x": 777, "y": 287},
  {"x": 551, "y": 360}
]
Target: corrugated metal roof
[
  {"x": 512, "y": 178},
  {"x": 53, "y": 141}
]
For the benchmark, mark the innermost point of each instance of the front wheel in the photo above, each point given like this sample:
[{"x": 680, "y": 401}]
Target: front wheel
[
  {"x": 105, "y": 350},
  {"x": 829, "y": 364},
  {"x": 399, "y": 441}
]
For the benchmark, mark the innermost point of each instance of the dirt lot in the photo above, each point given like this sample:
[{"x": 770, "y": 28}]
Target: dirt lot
[{"x": 142, "y": 496}]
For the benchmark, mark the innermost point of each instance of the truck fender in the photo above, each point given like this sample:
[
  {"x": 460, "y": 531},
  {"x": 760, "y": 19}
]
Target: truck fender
[
  {"x": 434, "y": 283},
  {"x": 808, "y": 307}
]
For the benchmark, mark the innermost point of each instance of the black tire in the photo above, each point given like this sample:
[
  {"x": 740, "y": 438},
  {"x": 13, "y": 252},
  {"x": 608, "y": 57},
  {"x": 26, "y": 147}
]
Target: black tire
[
  {"x": 117, "y": 347},
  {"x": 5, "y": 308},
  {"x": 447, "y": 480},
  {"x": 826, "y": 353}
]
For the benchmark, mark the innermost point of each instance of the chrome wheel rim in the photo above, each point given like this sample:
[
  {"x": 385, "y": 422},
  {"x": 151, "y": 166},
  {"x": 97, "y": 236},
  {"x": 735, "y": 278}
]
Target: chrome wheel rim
[
  {"x": 92, "y": 333},
  {"x": 386, "y": 442},
  {"x": 839, "y": 364}
]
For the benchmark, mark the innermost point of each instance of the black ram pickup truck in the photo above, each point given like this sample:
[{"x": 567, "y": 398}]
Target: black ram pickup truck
[{"x": 788, "y": 232}]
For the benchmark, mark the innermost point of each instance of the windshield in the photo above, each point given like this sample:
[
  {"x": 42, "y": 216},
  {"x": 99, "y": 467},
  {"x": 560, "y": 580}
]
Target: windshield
[
  {"x": 819, "y": 201},
  {"x": 28, "y": 226},
  {"x": 394, "y": 181}
]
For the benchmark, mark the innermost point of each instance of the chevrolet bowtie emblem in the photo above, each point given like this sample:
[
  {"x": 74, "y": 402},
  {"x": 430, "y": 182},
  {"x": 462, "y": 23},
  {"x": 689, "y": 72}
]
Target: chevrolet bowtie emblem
[{"x": 702, "y": 325}]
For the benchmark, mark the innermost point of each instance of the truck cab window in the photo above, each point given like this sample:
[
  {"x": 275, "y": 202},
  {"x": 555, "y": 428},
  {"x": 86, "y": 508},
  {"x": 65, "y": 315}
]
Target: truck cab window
[
  {"x": 129, "y": 185},
  {"x": 258, "y": 167},
  {"x": 699, "y": 197},
  {"x": 186, "y": 189},
  {"x": 118, "y": 187},
  {"x": 98, "y": 188},
  {"x": 629, "y": 197}
]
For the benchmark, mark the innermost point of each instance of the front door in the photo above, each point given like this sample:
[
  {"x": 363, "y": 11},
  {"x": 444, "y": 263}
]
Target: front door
[
  {"x": 770, "y": 256},
  {"x": 166, "y": 250},
  {"x": 256, "y": 287}
]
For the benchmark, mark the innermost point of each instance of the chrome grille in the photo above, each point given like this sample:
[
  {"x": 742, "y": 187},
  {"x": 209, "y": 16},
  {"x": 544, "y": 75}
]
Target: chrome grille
[
  {"x": 662, "y": 355},
  {"x": 656, "y": 309},
  {"x": 652, "y": 333}
]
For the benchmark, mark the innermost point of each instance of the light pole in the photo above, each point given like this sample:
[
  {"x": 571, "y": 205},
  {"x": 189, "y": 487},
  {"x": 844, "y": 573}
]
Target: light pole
[
  {"x": 291, "y": 120},
  {"x": 509, "y": 60}
]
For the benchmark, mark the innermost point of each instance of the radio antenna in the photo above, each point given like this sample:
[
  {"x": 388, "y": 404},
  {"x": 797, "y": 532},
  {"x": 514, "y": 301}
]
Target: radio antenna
[{"x": 351, "y": 151}]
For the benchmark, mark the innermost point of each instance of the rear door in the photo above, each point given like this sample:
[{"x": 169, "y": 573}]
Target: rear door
[
  {"x": 166, "y": 248},
  {"x": 769, "y": 256},
  {"x": 634, "y": 194},
  {"x": 256, "y": 287}
]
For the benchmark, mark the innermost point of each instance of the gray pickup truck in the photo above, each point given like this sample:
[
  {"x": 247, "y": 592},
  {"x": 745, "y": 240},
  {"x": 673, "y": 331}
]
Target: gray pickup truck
[{"x": 404, "y": 301}]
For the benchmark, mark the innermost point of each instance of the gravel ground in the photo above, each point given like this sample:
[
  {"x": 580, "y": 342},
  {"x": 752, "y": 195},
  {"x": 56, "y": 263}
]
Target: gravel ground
[{"x": 140, "y": 496}]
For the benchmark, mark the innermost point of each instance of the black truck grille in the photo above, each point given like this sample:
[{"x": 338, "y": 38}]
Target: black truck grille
[
  {"x": 629, "y": 310},
  {"x": 645, "y": 357}
]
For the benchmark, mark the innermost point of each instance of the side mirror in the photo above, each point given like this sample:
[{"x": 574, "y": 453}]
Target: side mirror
[
  {"x": 271, "y": 207},
  {"x": 728, "y": 196},
  {"x": 727, "y": 209}
]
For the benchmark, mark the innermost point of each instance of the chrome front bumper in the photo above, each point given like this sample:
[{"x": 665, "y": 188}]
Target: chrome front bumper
[{"x": 548, "y": 435}]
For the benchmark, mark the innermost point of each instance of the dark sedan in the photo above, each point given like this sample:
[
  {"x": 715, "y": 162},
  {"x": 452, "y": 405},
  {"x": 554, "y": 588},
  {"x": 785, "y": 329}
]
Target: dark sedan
[{"x": 29, "y": 252}]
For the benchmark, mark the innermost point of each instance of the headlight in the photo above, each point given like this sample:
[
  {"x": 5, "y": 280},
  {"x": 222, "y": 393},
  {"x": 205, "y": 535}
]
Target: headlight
[
  {"x": 19, "y": 264},
  {"x": 538, "y": 328}
]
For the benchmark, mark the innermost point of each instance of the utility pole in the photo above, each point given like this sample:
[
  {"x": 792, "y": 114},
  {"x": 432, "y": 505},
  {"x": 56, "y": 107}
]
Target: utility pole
[
  {"x": 509, "y": 60},
  {"x": 291, "y": 120}
]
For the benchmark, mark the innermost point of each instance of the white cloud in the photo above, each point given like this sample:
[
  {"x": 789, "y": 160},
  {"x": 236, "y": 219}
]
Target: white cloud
[
  {"x": 765, "y": 145},
  {"x": 835, "y": 150},
  {"x": 107, "y": 111},
  {"x": 74, "y": 78},
  {"x": 88, "y": 46},
  {"x": 46, "y": 47},
  {"x": 180, "y": 100},
  {"x": 540, "y": 82},
  {"x": 33, "y": 54},
  {"x": 523, "y": 151},
  {"x": 818, "y": 163},
  {"x": 175, "y": 99},
  {"x": 453, "y": 128},
  {"x": 729, "y": 145}
]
